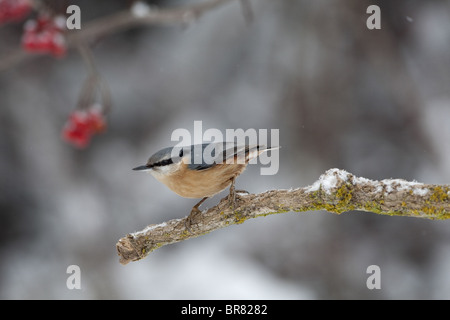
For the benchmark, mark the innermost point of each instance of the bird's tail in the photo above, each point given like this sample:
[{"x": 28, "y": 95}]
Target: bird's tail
[{"x": 254, "y": 151}]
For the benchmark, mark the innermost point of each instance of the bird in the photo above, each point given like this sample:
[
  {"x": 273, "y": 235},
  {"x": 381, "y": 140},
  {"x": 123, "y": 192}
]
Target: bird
[{"x": 202, "y": 170}]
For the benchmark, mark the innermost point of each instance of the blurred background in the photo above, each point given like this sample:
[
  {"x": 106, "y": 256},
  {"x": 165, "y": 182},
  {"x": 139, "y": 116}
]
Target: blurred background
[{"x": 373, "y": 102}]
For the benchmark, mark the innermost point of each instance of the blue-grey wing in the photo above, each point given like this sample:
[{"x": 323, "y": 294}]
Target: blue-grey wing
[
  {"x": 208, "y": 155},
  {"x": 199, "y": 157}
]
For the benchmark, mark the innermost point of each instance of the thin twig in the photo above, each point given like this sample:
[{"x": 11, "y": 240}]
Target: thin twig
[
  {"x": 336, "y": 191},
  {"x": 93, "y": 83},
  {"x": 123, "y": 20}
]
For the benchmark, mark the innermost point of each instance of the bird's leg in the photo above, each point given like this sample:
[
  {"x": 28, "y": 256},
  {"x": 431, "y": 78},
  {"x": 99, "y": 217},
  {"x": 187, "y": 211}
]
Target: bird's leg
[
  {"x": 194, "y": 211},
  {"x": 232, "y": 195}
]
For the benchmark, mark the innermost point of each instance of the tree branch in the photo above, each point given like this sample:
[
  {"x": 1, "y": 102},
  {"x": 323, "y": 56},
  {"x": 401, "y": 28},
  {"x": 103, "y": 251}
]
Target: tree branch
[
  {"x": 124, "y": 20},
  {"x": 336, "y": 191}
]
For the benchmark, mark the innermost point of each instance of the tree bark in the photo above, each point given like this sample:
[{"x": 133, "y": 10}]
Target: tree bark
[{"x": 335, "y": 191}]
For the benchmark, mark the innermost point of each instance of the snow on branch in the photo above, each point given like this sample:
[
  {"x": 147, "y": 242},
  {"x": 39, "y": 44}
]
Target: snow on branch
[{"x": 336, "y": 191}]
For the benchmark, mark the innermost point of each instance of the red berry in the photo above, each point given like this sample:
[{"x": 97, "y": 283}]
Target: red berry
[
  {"x": 76, "y": 136},
  {"x": 44, "y": 35},
  {"x": 96, "y": 121},
  {"x": 14, "y": 10},
  {"x": 82, "y": 125},
  {"x": 76, "y": 130}
]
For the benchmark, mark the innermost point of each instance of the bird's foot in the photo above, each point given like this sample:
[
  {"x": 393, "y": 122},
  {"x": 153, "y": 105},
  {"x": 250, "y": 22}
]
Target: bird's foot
[{"x": 194, "y": 212}]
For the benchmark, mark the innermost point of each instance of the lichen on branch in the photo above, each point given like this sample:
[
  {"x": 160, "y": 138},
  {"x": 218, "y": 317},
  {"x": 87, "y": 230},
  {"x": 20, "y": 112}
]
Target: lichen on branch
[{"x": 336, "y": 191}]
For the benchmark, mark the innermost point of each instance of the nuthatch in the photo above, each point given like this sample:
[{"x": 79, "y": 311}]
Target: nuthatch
[{"x": 188, "y": 172}]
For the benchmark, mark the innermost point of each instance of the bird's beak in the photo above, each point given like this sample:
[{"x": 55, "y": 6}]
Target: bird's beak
[{"x": 142, "y": 168}]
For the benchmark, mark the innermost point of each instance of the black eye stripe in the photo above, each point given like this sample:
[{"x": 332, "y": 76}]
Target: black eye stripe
[{"x": 163, "y": 163}]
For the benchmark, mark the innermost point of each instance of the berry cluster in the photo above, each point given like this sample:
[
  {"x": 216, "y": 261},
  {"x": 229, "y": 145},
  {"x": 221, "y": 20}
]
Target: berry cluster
[
  {"x": 45, "y": 35},
  {"x": 82, "y": 125},
  {"x": 14, "y": 10}
]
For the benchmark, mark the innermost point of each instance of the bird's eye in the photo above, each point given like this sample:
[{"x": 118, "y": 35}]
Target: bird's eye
[{"x": 181, "y": 153}]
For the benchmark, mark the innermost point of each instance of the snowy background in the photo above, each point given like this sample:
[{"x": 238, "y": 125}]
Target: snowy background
[{"x": 375, "y": 103}]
